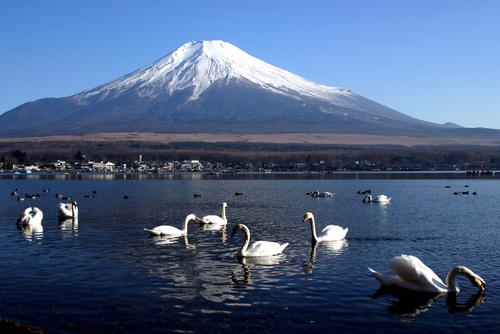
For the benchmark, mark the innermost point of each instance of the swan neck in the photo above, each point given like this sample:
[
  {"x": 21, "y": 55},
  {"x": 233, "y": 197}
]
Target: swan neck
[
  {"x": 451, "y": 279},
  {"x": 313, "y": 230},
  {"x": 223, "y": 214},
  {"x": 246, "y": 242},
  {"x": 185, "y": 224}
]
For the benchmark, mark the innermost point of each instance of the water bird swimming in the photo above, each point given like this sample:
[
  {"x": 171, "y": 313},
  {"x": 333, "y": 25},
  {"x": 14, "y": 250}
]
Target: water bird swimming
[
  {"x": 196, "y": 195},
  {"x": 258, "y": 248},
  {"x": 364, "y": 192},
  {"x": 30, "y": 217},
  {"x": 412, "y": 274},
  {"x": 167, "y": 230},
  {"x": 214, "y": 219},
  {"x": 68, "y": 210},
  {"x": 323, "y": 194},
  {"x": 328, "y": 233},
  {"x": 382, "y": 199},
  {"x": 238, "y": 193}
]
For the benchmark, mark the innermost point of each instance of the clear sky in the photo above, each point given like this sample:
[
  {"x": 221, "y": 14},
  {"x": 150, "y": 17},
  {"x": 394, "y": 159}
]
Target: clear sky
[{"x": 434, "y": 60}]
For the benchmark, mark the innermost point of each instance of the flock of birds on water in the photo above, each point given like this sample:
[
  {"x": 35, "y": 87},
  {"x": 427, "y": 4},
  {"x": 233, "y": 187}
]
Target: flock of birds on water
[{"x": 411, "y": 273}]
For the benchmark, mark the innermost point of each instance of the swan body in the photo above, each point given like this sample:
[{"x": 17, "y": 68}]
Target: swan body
[
  {"x": 167, "y": 230},
  {"x": 382, "y": 199},
  {"x": 31, "y": 217},
  {"x": 216, "y": 220},
  {"x": 328, "y": 233},
  {"x": 68, "y": 210},
  {"x": 258, "y": 248},
  {"x": 412, "y": 274}
]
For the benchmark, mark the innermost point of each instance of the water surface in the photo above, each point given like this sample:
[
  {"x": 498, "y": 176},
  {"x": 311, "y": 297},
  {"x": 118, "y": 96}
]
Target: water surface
[{"x": 106, "y": 275}]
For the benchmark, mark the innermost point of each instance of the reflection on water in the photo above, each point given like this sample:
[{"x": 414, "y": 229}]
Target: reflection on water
[
  {"x": 407, "y": 304},
  {"x": 32, "y": 232},
  {"x": 333, "y": 248},
  {"x": 68, "y": 226},
  {"x": 104, "y": 274}
]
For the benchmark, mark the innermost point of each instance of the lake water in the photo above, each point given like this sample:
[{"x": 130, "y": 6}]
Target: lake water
[{"x": 106, "y": 275}]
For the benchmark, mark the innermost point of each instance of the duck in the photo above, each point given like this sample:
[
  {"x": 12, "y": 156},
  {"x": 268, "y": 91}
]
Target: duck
[
  {"x": 214, "y": 219},
  {"x": 68, "y": 210},
  {"x": 328, "y": 233},
  {"x": 30, "y": 217},
  {"x": 167, "y": 230},
  {"x": 238, "y": 193},
  {"x": 317, "y": 194},
  {"x": 382, "y": 199},
  {"x": 412, "y": 274},
  {"x": 258, "y": 248}
]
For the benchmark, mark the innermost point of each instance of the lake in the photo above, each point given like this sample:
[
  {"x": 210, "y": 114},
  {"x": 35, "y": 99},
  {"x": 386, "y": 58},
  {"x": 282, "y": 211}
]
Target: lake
[{"x": 106, "y": 275}]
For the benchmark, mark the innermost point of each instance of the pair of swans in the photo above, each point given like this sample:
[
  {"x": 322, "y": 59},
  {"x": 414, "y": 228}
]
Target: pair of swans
[
  {"x": 213, "y": 220},
  {"x": 413, "y": 275},
  {"x": 68, "y": 210},
  {"x": 382, "y": 199}
]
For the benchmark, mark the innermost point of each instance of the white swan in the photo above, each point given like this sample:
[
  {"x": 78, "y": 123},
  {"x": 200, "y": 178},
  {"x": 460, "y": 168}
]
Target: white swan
[
  {"x": 30, "y": 217},
  {"x": 412, "y": 274},
  {"x": 68, "y": 210},
  {"x": 214, "y": 219},
  {"x": 258, "y": 248},
  {"x": 167, "y": 230},
  {"x": 329, "y": 233},
  {"x": 382, "y": 199}
]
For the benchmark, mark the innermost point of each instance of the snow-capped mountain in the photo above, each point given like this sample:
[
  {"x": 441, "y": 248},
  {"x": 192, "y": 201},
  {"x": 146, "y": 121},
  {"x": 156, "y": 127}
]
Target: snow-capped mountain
[{"x": 210, "y": 86}]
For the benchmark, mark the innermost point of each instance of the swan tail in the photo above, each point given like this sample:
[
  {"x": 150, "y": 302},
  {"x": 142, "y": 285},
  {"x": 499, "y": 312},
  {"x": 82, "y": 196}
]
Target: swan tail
[
  {"x": 150, "y": 231},
  {"x": 284, "y": 246},
  {"x": 377, "y": 275}
]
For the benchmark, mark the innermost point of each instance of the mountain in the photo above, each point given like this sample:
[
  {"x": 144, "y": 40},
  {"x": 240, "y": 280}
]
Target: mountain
[{"x": 212, "y": 87}]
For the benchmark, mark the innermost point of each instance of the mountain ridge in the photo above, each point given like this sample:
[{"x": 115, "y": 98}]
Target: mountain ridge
[{"x": 213, "y": 87}]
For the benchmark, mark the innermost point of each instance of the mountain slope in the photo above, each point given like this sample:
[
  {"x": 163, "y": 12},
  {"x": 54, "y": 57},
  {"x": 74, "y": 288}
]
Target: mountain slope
[{"x": 211, "y": 87}]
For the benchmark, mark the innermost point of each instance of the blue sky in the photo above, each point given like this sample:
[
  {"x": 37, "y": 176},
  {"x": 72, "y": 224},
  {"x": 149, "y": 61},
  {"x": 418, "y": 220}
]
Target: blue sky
[{"x": 434, "y": 60}]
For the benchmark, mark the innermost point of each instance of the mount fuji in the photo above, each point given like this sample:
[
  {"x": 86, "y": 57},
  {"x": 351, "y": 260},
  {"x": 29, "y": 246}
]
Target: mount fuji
[{"x": 212, "y": 87}]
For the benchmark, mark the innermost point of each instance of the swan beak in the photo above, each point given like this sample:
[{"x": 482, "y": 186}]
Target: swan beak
[
  {"x": 306, "y": 218},
  {"x": 482, "y": 287}
]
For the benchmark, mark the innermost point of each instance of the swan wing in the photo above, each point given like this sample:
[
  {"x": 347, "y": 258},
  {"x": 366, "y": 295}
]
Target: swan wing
[
  {"x": 333, "y": 232},
  {"x": 265, "y": 248},
  {"x": 410, "y": 269},
  {"x": 214, "y": 219}
]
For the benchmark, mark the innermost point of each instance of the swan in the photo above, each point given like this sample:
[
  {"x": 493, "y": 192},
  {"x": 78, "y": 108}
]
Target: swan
[
  {"x": 214, "y": 219},
  {"x": 68, "y": 210},
  {"x": 30, "y": 217},
  {"x": 167, "y": 230},
  {"x": 382, "y": 199},
  {"x": 412, "y": 274},
  {"x": 258, "y": 248},
  {"x": 329, "y": 233}
]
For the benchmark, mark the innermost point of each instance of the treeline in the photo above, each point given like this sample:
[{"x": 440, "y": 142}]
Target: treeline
[{"x": 329, "y": 156}]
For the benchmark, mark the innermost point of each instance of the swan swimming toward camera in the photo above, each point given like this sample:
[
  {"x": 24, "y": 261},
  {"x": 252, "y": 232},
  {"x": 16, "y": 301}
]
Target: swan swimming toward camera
[
  {"x": 167, "y": 230},
  {"x": 30, "y": 217},
  {"x": 412, "y": 274},
  {"x": 328, "y": 233},
  {"x": 382, "y": 199},
  {"x": 214, "y": 219},
  {"x": 68, "y": 210},
  {"x": 258, "y": 248}
]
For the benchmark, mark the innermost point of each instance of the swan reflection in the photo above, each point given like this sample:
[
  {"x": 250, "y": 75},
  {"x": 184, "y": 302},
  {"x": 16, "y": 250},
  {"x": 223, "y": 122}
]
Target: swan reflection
[
  {"x": 407, "y": 305},
  {"x": 68, "y": 226},
  {"x": 335, "y": 248},
  {"x": 32, "y": 232},
  {"x": 248, "y": 262},
  {"x": 170, "y": 240},
  {"x": 216, "y": 228}
]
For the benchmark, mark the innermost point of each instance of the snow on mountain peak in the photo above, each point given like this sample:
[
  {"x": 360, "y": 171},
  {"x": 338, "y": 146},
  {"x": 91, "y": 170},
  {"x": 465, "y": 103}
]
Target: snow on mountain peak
[{"x": 200, "y": 64}]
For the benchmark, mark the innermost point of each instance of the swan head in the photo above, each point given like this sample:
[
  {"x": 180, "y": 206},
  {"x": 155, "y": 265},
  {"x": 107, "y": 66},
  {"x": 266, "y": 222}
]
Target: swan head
[
  {"x": 224, "y": 204},
  {"x": 308, "y": 217},
  {"x": 191, "y": 216},
  {"x": 74, "y": 203},
  {"x": 236, "y": 228},
  {"x": 24, "y": 219},
  {"x": 474, "y": 278}
]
